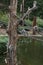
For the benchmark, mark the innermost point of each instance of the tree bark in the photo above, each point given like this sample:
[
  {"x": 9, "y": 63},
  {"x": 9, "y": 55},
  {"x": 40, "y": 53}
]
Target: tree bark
[{"x": 12, "y": 32}]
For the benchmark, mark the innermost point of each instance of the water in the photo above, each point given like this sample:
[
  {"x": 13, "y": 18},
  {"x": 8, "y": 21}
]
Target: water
[{"x": 29, "y": 52}]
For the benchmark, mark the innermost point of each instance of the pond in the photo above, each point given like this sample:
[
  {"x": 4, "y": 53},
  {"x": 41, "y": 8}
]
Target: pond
[{"x": 29, "y": 52}]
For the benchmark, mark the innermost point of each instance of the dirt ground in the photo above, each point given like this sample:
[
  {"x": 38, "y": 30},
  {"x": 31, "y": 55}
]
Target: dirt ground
[{"x": 2, "y": 31}]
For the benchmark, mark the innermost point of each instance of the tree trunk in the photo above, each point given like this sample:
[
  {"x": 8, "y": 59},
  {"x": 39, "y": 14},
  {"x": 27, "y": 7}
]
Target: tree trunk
[{"x": 12, "y": 32}]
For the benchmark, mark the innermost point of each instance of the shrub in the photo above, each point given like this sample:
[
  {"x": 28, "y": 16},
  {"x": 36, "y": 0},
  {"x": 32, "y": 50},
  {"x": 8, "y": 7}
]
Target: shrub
[{"x": 3, "y": 43}]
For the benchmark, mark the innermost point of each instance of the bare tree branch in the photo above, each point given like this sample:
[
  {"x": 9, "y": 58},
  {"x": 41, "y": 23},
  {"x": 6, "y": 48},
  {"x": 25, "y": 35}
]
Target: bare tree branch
[{"x": 30, "y": 10}]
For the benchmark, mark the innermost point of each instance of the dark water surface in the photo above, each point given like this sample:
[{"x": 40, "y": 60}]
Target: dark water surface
[{"x": 29, "y": 52}]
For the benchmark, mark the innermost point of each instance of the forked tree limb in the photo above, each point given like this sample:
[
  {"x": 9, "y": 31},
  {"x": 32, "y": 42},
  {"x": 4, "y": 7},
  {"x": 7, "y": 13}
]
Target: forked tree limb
[
  {"x": 30, "y": 10},
  {"x": 25, "y": 14}
]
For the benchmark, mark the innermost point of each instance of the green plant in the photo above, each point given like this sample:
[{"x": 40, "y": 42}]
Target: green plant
[{"x": 3, "y": 43}]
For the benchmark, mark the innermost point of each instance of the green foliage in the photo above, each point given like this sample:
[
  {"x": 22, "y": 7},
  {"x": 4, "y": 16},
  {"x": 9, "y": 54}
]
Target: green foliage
[
  {"x": 3, "y": 48},
  {"x": 29, "y": 23},
  {"x": 2, "y": 58},
  {"x": 3, "y": 39},
  {"x": 3, "y": 42},
  {"x": 5, "y": 1},
  {"x": 38, "y": 12},
  {"x": 39, "y": 22},
  {"x": 4, "y": 17}
]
